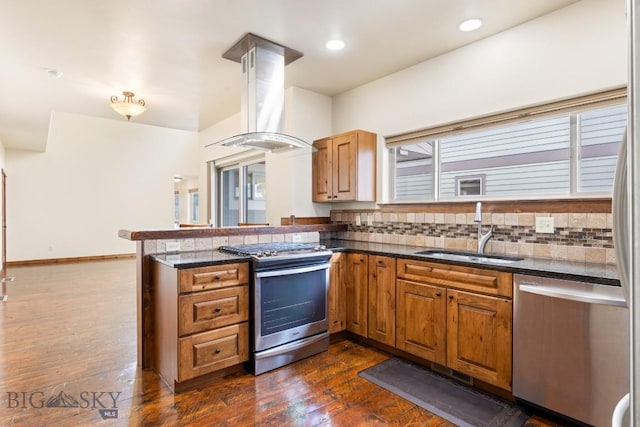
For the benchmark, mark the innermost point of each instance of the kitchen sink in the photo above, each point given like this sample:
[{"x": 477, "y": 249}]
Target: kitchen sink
[{"x": 468, "y": 257}]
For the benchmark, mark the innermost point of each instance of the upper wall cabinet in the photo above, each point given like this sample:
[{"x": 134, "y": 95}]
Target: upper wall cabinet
[{"x": 344, "y": 167}]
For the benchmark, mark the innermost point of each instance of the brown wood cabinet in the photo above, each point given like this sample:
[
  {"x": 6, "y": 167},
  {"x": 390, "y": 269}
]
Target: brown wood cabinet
[
  {"x": 201, "y": 320},
  {"x": 421, "y": 320},
  {"x": 344, "y": 167},
  {"x": 382, "y": 299},
  {"x": 457, "y": 316},
  {"x": 479, "y": 336},
  {"x": 336, "y": 301},
  {"x": 356, "y": 277}
]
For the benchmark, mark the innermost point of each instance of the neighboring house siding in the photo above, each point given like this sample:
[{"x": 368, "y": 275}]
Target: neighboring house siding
[
  {"x": 414, "y": 180},
  {"x": 537, "y": 178},
  {"x": 600, "y": 134}
]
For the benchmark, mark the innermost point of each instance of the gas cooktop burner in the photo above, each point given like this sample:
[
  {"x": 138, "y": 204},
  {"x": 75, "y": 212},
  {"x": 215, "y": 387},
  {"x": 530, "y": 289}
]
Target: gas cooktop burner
[
  {"x": 281, "y": 254},
  {"x": 273, "y": 249}
]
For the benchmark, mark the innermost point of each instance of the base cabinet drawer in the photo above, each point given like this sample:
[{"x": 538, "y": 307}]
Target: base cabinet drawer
[
  {"x": 213, "y": 277},
  {"x": 209, "y": 351},
  {"x": 213, "y": 309}
]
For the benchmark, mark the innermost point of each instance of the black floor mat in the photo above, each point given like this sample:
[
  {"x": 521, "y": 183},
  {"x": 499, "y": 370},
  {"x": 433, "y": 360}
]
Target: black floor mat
[{"x": 446, "y": 398}]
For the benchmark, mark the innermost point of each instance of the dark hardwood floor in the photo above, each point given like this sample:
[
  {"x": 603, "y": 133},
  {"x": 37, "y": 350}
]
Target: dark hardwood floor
[{"x": 68, "y": 339}]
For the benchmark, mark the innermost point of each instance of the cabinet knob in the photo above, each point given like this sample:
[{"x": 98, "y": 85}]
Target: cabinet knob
[
  {"x": 380, "y": 262},
  {"x": 361, "y": 259},
  {"x": 438, "y": 294},
  {"x": 451, "y": 297},
  {"x": 218, "y": 309},
  {"x": 217, "y": 278},
  {"x": 217, "y": 350}
]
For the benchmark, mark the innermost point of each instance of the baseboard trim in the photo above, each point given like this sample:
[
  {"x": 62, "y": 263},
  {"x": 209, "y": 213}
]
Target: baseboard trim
[{"x": 68, "y": 260}]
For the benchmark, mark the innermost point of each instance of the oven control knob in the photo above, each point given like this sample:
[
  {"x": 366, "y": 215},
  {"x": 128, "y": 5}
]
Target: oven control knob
[
  {"x": 260, "y": 254},
  {"x": 320, "y": 248}
]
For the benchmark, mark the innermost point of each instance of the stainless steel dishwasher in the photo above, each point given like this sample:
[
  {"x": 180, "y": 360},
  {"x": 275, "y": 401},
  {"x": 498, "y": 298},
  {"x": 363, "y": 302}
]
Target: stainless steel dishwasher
[{"x": 570, "y": 347}]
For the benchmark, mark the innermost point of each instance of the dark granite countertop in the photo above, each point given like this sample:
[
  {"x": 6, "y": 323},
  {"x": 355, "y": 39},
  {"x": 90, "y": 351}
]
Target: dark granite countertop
[
  {"x": 606, "y": 274},
  {"x": 582, "y": 271},
  {"x": 195, "y": 259}
]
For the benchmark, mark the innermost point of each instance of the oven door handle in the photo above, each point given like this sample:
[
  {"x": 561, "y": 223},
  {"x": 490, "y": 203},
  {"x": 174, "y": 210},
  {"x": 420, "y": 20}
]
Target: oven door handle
[
  {"x": 296, "y": 270},
  {"x": 285, "y": 348}
]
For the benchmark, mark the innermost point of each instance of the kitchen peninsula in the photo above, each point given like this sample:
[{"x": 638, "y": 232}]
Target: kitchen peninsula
[
  {"x": 191, "y": 242},
  {"x": 198, "y": 275}
]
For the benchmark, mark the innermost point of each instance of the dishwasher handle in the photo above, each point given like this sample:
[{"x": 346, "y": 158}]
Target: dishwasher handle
[{"x": 603, "y": 296}]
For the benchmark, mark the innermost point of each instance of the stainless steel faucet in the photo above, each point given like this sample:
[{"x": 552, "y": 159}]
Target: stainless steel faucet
[{"x": 482, "y": 238}]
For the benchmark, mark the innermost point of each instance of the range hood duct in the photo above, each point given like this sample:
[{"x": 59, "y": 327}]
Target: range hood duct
[{"x": 262, "y": 101}]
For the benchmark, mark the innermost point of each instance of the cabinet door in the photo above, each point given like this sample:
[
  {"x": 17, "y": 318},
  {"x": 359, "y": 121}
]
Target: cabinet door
[
  {"x": 382, "y": 299},
  {"x": 210, "y": 351},
  {"x": 356, "y": 283},
  {"x": 479, "y": 336},
  {"x": 422, "y": 320},
  {"x": 344, "y": 166},
  {"x": 337, "y": 311},
  {"x": 321, "y": 171}
]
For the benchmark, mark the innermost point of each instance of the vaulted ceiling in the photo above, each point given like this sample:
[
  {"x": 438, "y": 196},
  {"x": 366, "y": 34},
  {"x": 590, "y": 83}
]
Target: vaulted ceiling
[{"x": 169, "y": 52}]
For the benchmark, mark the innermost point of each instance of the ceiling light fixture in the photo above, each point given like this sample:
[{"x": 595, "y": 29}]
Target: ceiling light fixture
[
  {"x": 128, "y": 107},
  {"x": 470, "y": 24},
  {"x": 177, "y": 179},
  {"x": 335, "y": 44}
]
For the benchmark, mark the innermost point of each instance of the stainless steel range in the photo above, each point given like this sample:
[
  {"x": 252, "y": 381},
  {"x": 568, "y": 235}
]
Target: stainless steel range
[{"x": 289, "y": 299}]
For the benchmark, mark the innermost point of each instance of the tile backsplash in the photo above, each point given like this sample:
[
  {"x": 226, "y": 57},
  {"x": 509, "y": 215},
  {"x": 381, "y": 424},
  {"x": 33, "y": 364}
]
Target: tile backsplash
[
  {"x": 210, "y": 243},
  {"x": 577, "y": 236}
]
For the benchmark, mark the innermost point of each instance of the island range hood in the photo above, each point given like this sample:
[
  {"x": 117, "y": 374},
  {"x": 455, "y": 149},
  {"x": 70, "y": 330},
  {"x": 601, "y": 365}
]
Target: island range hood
[{"x": 262, "y": 98}]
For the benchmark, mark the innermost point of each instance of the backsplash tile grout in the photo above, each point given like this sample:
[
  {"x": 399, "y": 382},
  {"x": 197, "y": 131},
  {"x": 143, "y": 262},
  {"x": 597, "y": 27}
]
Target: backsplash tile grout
[{"x": 577, "y": 237}]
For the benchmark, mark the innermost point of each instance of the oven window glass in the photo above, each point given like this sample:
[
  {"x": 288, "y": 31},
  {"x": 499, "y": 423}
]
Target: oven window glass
[{"x": 292, "y": 300}]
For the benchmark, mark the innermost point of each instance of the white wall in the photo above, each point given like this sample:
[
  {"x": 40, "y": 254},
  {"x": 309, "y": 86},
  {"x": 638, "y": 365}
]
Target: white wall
[
  {"x": 573, "y": 51},
  {"x": 96, "y": 177},
  {"x": 288, "y": 185},
  {"x": 3, "y": 165}
]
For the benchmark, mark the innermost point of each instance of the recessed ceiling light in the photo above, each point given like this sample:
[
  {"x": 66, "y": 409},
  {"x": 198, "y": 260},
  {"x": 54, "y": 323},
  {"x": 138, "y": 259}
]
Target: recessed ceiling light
[
  {"x": 470, "y": 24},
  {"x": 335, "y": 45},
  {"x": 53, "y": 74}
]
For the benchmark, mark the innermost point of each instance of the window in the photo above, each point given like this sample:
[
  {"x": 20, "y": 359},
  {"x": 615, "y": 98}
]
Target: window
[
  {"x": 569, "y": 154},
  {"x": 600, "y": 133},
  {"x": 524, "y": 158},
  {"x": 242, "y": 194},
  {"x": 194, "y": 204},
  {"x": 470, "y": 185},
  {"x": 176, "y": 207},
  {"x": 413, "y": 171}
]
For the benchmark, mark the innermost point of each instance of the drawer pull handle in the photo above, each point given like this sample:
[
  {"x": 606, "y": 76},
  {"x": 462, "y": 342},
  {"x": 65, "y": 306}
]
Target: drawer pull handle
[
  {"x": 218, "y": 309},
  {"x": 217, "y": 350}
]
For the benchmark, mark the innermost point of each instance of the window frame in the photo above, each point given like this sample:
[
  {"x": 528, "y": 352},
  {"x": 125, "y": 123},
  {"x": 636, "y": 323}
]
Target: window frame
[
  {"x": 480, "y": 177},
  {"x": 194, "y": 205},
  {"x": 570, "y": 108},
  {"x": 243, "y": 183}
]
